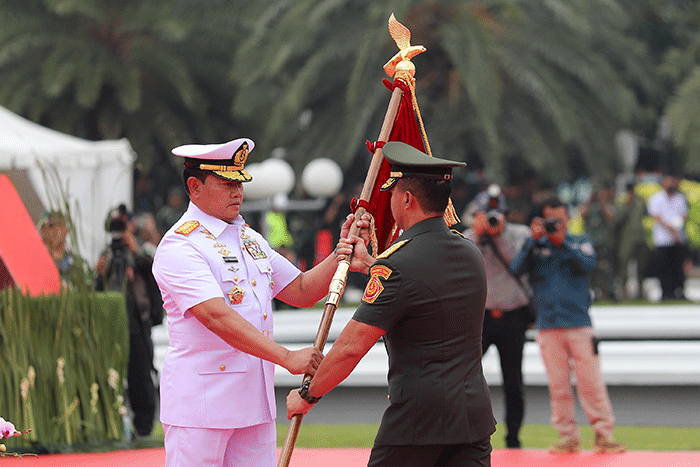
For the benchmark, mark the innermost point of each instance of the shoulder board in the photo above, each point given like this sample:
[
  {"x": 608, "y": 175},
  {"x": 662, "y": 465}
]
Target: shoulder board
[
  {"x": 187, "y": 228},
  {"x": 392, "y": 249},
  {"x": 458, "y": 233}
]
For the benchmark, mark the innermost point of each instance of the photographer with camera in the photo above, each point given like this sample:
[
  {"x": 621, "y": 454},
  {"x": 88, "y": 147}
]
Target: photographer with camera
[
  {"x": 507, "y": 301},
  {"x": 126, "y": 267},
  {"x": 559, "y": 265}
]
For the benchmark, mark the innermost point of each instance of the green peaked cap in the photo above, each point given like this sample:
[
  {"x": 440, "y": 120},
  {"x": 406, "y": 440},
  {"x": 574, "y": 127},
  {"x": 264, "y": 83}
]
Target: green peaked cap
[{"x": 408, "y": 162}]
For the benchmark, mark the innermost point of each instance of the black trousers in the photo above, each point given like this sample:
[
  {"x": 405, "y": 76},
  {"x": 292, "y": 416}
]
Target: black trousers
[
  {"x": 506, "y": 330},
  {"x": 140, "y": 388},
  {"x": 450, "y": 455},
  {"x": 669, "y": 269}
]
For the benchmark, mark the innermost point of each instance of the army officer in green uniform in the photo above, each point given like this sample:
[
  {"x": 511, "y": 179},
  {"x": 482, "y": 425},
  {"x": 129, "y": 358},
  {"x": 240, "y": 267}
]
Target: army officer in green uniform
[{"x": 426, "y": 296}]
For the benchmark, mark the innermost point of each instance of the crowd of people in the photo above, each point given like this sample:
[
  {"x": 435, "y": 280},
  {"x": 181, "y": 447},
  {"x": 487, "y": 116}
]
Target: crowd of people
[
  {"x": 636, "y": 237},
  {"x": 628, "y": 251}
]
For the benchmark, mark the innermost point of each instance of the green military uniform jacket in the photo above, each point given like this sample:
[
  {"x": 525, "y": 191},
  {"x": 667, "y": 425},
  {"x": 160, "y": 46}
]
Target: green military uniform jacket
[{"x": 429, "y": 295}]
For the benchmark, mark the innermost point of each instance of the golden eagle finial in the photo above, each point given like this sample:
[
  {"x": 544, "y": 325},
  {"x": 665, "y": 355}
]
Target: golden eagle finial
[{"x": 402, "y": 60}]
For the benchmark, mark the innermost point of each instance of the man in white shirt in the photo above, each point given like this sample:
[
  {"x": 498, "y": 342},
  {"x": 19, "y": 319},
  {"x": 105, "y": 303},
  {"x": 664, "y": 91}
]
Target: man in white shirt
[{"x": 669, "y": 208}]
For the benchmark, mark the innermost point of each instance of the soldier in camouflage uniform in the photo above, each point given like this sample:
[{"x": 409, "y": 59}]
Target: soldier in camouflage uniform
[
  {"x": 598, "y": 214},
  {"x": 631, "y": 238}
]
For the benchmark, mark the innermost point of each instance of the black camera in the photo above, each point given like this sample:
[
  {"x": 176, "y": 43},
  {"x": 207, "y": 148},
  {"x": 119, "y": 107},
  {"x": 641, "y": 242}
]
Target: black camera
[
  {"x": 551, "y": 224},
  {"x": 117, "y": 220},
  {"x": 493, "y": 218}
]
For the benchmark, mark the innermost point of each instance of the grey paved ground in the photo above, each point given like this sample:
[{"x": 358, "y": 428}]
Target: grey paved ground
[{"x": 633, "y": 405}]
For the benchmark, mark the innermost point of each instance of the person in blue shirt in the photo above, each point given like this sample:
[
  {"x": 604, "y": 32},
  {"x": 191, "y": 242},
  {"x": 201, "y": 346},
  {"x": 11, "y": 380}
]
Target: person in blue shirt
[{"x": 559, "y": 265}]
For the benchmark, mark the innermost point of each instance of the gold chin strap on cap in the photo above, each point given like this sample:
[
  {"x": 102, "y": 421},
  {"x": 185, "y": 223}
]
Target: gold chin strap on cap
[{"x": 220, "y": 168}]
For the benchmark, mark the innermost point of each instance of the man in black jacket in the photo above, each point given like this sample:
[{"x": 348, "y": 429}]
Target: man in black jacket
[
  {"x": 425, "y": 295},
  {"x": 126, "y": 267}
]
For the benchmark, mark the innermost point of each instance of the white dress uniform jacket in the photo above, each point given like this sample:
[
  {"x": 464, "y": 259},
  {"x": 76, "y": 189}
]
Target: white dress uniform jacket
[{"x": 205, "y": 382}]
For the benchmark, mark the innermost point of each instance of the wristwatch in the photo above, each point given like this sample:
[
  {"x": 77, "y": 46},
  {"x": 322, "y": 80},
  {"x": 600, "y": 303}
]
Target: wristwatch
[{"x": 304, "y": 393}]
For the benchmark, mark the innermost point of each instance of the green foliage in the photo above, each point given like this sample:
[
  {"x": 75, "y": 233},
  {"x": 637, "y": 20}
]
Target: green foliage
[
  {"x": 503, "y": 83},
  {"x": 151, "y": 71},
  {"x": 546, "y": 82},
  {"x": 62, "y": 364},
  {"x": 681, "y": 68}
]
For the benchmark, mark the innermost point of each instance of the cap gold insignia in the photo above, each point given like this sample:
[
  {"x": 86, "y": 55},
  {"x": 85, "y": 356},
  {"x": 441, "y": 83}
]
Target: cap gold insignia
[
  {"x": 241, "y": 155},
  {"x": 374, "y": 285},
  {"x": 389, "y": 183},
  {"x": 239, "y": 158},
  {"x": 236, "y": 295},
  {"x": 187, "y": 228}
]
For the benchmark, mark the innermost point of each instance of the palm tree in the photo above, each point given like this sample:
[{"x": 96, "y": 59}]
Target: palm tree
[
  {"x": 681, "y": 67},
  {"x": 152, "y": 71},
  {"x": 543, "y": 82}
]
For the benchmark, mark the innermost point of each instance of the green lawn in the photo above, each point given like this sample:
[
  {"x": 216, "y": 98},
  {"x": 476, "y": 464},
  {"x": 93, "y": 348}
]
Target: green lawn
[{"x": 636, "y": 438}]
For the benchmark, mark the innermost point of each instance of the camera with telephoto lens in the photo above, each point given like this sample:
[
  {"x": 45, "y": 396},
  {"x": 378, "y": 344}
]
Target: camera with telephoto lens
[
  {"x": 117, "y": 220},
  {"x": 116, "y": 224},
  {"x": 551, "y": 224},
  {"x": 493, "y": 218}
]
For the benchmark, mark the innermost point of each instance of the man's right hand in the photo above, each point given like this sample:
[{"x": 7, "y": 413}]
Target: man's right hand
[
  {"x": 480, "y": 224},
  {"x": 537, "y": 228},
  {"x": 304, "y": 361},
  {"x": 355, "y": 246}
]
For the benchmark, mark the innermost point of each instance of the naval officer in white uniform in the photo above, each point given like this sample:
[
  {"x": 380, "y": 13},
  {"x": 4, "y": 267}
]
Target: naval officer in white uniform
[{"x": 218, "y": 277}]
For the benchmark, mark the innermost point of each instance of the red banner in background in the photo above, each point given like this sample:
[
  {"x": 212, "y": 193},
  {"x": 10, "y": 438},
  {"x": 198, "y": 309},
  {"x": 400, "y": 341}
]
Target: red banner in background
[{"x": 25, "y": 261}]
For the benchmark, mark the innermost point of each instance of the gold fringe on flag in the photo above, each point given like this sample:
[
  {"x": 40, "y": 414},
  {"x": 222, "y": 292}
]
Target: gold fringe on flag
[{"x": 450, "y": 214}]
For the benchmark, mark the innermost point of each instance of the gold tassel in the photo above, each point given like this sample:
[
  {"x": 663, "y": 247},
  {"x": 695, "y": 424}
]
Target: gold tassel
[
  {"x": 374, "y": 242},
  {"x": 450, "y": 215}
]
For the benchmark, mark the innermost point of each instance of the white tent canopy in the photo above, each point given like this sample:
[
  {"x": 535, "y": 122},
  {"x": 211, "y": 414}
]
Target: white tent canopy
[{"x": 95, "y": 175}]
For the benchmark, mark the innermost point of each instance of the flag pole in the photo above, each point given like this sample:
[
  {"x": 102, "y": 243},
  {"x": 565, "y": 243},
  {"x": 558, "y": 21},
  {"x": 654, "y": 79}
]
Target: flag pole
[
  {"x": 335, "y": 290},
  {"x": 399, "y": 67}
]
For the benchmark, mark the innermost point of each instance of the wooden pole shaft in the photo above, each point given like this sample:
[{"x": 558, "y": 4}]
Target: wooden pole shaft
[{"x": 338, "y": 282}]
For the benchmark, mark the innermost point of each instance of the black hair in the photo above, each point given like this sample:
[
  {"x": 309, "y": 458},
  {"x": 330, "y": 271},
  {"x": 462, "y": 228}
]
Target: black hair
[
  {"x": 552, "y": 202},
  {"x": 433, "y": 195},
  {"x": 199, "y": 174}
]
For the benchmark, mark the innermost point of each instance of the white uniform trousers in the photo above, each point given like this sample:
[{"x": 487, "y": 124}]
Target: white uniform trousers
[{"x": 254, "y": 446}]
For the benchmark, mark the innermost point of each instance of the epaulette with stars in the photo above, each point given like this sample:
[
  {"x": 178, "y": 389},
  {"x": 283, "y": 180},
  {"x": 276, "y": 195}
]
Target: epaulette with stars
[{"x": 187, "y": 228}]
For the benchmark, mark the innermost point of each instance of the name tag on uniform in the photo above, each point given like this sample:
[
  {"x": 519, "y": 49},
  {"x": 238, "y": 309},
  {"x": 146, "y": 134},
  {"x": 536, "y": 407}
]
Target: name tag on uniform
[{"x": 230, "y": 259}]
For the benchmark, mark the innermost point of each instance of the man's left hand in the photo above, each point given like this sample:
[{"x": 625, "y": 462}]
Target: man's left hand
[
  {"x": 295, "y": 404},
  {"x": 363, "y": 224}
]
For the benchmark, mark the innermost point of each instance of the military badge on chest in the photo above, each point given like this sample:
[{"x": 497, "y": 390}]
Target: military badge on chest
[
  {"x": 253, "y": 248},
  {"x": 236, "y": 295}
]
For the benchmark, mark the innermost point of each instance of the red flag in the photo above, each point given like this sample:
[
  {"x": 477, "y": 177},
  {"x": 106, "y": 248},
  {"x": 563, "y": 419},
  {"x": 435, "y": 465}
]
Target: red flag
[{"x": 406, "y": 130}]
